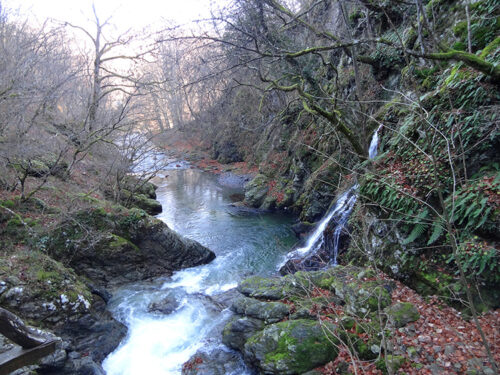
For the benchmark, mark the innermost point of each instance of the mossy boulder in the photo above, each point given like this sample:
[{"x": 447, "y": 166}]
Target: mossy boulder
[
  {"x": 292, "y": 347},
  {"x": 393, "y": 362},
  {"x": 288, "y": 286},
  {"x": 213, "y": 361},
  {"x": 134, "y": 184},
  {"x": 141, "y": 201},
  {"x": 48, "y": 295},
  {"x": 365, "y": 349},
  {"x": 366, "y": 297},
  {"x": 238, "y": 331},
  {"x": 36, "y": 286},
  {"x": 261, "y": 287},
  {"x": 151, "y": 206},
  {"x": 269, "y": 312},
  {"x": 256, "y": 190},
  {"x": 118, "y": 245},
  {"x": 55, "y": 163},
  {"x": 402, "y": 313},
  {"x": 356, "y": 286}
]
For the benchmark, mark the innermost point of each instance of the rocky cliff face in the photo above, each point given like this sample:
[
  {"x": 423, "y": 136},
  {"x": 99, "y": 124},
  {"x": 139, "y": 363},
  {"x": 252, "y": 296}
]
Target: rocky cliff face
[{"x": 436, "y": 175}]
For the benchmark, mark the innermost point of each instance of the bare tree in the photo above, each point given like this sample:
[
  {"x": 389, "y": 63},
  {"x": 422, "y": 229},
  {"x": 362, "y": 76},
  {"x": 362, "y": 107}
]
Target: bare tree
[{"x": 36, "y": 73}]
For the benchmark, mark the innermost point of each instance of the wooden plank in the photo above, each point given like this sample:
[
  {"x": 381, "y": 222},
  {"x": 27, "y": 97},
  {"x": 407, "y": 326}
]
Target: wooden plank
[
  {"x": 12, "y": 327},
  {"x": 18, "y": 357}
]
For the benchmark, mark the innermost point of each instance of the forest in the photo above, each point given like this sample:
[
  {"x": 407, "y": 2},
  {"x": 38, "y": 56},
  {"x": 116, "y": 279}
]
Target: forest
[{"x": 371, "y": 125}]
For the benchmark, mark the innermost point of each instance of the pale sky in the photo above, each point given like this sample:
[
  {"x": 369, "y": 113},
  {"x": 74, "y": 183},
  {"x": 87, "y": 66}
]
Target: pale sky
[{"x": 135, "y": 14}]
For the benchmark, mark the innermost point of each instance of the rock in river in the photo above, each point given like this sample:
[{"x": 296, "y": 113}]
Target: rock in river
[{"x": 123, "y": 245}]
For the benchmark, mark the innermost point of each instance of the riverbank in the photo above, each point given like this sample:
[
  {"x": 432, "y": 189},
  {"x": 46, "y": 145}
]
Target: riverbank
[
  {"x": 66, "y": 249},
  {"x": 180, "y": 146},
  {"x": 349, "y": 319}
]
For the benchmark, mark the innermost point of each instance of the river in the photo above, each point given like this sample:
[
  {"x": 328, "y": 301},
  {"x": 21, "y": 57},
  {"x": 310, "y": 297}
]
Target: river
[{"x": 197, "y": 206}]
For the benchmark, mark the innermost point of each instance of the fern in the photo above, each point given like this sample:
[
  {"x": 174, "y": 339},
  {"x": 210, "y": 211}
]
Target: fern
[
  {"x": 420, "y": 227},
  {"x": 437, "y": 231},
  {"x": 417, "y": 231}
]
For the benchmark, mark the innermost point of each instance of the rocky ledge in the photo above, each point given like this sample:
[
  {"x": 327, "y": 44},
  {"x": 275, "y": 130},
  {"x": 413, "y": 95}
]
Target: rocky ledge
[
  {"x": 119, "y": 245},
  {"x": 60, "y": 287}
]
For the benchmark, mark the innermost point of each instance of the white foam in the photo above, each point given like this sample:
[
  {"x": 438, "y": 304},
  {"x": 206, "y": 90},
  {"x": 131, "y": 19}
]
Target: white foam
[
  {"x": 216, "y": 289},
  {"x": 159, "y": 346},
  {"x": 315, "y": 240},
  {"x": 191, "y": 280}
]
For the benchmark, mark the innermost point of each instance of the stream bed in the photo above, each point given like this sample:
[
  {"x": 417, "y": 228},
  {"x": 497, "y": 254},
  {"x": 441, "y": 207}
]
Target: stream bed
[{"x": 198, "y": 206}]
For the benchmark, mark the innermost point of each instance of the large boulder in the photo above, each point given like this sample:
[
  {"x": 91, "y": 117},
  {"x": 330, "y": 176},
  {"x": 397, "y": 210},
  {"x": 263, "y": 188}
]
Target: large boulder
[
  {"x": 142, "y": 201},
  {"x": 123, "y": 246},
  {"x": 269, "y": 312},
  {"x": 292, "y": 347},
  {"x": 402, "y": 313},
  {"x": 217, "y": 361},
  {"x": 166, "y": 306},
  {"x": 95, "y": 334},
  {"x": 256, "y": 190},
  {"x": 36, "y": 287},
  {"x": 238, "y": 331},
  {"x": 40, "y": 289},
  {"x": 135, "y": 192},
  {"x": 268, "y": 288}
]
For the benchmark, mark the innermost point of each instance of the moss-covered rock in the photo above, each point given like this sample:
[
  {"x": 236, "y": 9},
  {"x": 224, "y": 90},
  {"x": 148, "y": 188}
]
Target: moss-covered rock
[
  {"x": 51, "y": 296},
  {"x": 213, "y": 361},
  {"x": 239, "y": 330},
  {"x": 134, "y": 184},
  {"x": 256, "y": 190},
  {"x": 57, "y": 164},
  {"x": 36, "y": 287},
  {"x": 393, "y": 362},
  {"x": 292, "y": 347},
  {"x": 151, "y": 206},
  {"x": 116, "y": 245},
  {"x": 140, "y": 200},
  {"x": 371, "y": 296},
  {"x": 269, "y": 312},
  {"x": 268, "y": 288},
  {"x": 352, "y": 286},
  {"x": 402, "y": 313}
]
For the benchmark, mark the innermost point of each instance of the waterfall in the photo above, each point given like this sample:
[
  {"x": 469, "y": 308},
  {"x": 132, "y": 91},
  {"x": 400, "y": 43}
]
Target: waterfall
[
  {"x": 343, "y": 216},
  {"x": 372, "y": 151},
  {"x": 340, "y": 211}
]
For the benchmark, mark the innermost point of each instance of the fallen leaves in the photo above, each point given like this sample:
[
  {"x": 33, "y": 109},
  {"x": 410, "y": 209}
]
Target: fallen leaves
[{"x": 440, "y": 342}]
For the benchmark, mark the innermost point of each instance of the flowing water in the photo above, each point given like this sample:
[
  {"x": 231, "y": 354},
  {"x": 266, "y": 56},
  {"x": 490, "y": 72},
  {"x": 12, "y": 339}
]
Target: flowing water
[
  {"x": 373, "y": 149},
  {"x": 196, "y": 206},
  {"x": 246, "y": 243},
  {"x": 339, "y": 212}
]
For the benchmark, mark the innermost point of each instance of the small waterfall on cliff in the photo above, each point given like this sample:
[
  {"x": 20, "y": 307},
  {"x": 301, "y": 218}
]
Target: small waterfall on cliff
[
  {"x": 372, "y": 151},
  {"x": 339, "y": 212}
]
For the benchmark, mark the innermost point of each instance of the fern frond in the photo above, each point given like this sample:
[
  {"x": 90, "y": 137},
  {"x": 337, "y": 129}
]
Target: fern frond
[
  {"x": 416, "y": 232},
  {"x": 437, "y": 231}
]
